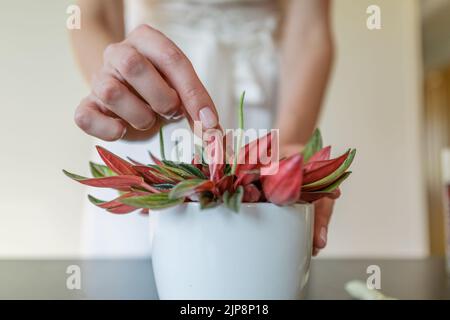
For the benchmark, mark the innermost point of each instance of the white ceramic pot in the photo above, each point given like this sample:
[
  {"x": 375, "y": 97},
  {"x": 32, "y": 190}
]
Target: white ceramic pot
[{"x": 262, "y": 252}]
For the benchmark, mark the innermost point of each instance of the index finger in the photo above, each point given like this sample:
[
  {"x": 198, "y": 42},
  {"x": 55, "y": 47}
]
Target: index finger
[{"x": 176, "y": 67}]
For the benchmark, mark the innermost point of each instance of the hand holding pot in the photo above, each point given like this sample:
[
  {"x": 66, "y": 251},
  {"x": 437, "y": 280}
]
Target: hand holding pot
[{"x": 323, "y": 208}]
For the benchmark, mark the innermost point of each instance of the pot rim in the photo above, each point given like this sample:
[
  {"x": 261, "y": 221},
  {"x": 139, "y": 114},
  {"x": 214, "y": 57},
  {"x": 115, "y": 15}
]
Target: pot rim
[{"x": 254, "y": 204}]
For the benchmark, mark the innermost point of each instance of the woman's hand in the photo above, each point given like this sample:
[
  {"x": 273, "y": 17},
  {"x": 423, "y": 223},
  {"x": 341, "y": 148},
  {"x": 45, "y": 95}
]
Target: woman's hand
[
  {"x": 143, "y": 77},
  {"x": 323, "y": 208}
]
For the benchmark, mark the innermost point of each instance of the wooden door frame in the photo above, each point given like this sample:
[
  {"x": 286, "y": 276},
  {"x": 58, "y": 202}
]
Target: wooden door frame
[{"x": 437, "y": 137}]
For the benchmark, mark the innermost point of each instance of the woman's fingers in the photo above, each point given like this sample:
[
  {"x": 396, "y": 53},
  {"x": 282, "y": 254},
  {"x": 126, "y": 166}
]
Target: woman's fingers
[
  {"x": 115, "y": 96},
  {"x": 178, "y": 70},
  {"x": 323, "y": 210},
  {"x": 143, "y": 76},
  {"x": 137, "y": 71},
  {"x": 94, "y": 122}
]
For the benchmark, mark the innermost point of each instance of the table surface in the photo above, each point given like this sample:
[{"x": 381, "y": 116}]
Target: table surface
[{"x": 133, "y": 279}]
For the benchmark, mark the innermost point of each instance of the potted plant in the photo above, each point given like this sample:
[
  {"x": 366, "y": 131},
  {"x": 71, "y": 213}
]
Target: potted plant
[{"x": 227, "y": 228}]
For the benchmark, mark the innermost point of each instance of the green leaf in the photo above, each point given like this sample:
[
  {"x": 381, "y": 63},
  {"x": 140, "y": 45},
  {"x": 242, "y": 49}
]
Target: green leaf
[
  {"x": 193, "y": 170},
  {"x": 233, "y": 201},
  {"x": 333, "y": 176},
  {"x": 188, "y": 187},
  {"x": 184, "y": 170},
  {"x": 166, "y": 172},
  {"x": 206, "y": 200},
  {"x": 163, "y": 186},
  {"x": 337, "y": 183},
  {"x": 241, "y": 127},
  {"x": 161, "y": 143},
  {"x": 100, "y": 170},
  {"x": 227, "y": 169},
  {"x": 95, "y": 201},
  {"x": 114, "y": 182},
  {"x": 74, "y": 176},
  {"x": 179, "y": 171},
  {"x": 314, "y": 145},
  {"x": 153, "y": 201}
]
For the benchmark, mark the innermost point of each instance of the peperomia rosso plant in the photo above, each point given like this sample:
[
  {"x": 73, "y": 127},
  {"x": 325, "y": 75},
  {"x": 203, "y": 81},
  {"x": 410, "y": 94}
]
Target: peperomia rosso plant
[{"x": 229, "y": 179}]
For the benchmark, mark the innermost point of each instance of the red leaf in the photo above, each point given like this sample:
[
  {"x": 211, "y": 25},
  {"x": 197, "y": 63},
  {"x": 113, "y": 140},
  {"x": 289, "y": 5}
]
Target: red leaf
[
  {"x": 251, "y": 193},
  {"x": 122, "y": 209},
  {"x": 320, "y": 169},
  {"x": 134, "y": 162},
  {"x": 208, "y": 185},
  {"x": 247, "y": 176},
  {"x": 115, "y": 206},
  {"x": 228, "y": 146},
  {"x": 314, "y": 196},
  {"x": 152, "y": 175},
  {"x": 115, "y": 182},
  {"x": 323, "y": 154},
  {"x": 253, "y": 154},
  {"x": 115, "y": 163},
  {"x": 155, "y": 159},
  {"x": 216, "y": 157},
  {"x": 284, "y": 187},
  {"x": 205, "y": 170},
  {"x": 224, "y": 184},
  {"x": 116, "y": 202}
]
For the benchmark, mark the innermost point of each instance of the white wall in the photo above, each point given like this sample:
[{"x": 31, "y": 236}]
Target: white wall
[
  {"x": 373, "y": 105},
  {"x": 39, "y": 89}
]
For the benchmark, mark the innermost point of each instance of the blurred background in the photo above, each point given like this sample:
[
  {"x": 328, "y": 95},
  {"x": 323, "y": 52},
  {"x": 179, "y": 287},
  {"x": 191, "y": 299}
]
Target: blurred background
[{"x": 389, "y": 97}]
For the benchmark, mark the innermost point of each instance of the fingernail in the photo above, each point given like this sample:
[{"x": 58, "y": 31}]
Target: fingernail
[
  {"x": 173, "y": 116},
  {"x": 178, "y": 115},
  {"x": 124, "y": 132},
  {"x": 323, "y": 236},
  {"x": 208, "y": 118},
  {"x": 148, "y": 126}
]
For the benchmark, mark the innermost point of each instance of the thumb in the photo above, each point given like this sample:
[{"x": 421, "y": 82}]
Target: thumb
[{"x": 323, "y": 210}]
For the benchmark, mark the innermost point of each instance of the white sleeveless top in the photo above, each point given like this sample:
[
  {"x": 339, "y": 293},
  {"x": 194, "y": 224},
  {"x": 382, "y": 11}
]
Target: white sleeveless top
[{"x": 232, "y": 48}]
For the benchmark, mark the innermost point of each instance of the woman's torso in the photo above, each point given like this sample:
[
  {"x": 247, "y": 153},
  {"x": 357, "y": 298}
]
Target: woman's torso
[{"x": 232, "y": 47}]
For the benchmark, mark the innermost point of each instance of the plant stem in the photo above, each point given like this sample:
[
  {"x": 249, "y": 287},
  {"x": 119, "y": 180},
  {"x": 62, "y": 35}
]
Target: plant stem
[
  {"x": 161, "y": 143},
  {"x": 241, "y": 131}
]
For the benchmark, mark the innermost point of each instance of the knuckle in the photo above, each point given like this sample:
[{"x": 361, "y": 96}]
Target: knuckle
[
  {"x": 140, "y": 30},
  {"x": 172, "y": 56},
  {"x": 110, "y": 49},
  {"x": 82, "y": 119},
  {"x": 193, "y": 93},
  {"x": 109, "y": 91},
  {"x": 131, "y": 63}
]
